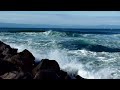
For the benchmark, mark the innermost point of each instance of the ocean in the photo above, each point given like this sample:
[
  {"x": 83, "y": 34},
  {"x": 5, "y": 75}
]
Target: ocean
[{"x": 92, "y": 54}]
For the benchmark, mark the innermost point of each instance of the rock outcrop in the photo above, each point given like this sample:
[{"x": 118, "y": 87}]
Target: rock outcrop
[
  {"x": 46, "y": 69},
  {"x": 46, "y": 64},
  {"x": 22, "y": 65}
]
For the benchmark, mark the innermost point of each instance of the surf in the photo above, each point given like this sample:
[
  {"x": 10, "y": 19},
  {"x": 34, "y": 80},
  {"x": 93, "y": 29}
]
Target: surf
[{"x": 92, "y": 56}]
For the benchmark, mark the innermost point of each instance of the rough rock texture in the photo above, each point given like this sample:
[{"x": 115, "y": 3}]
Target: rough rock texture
[
  {"x": 12, "y": 75},
  {"x": 46, "y": 64},
  {"x": 6, "y": 49},
  {"x": 22, "y": 65},
  {"x": 46, "y": 69},
  {"x": 24, "y": 59},
  {"x": 46, "y": 75}
]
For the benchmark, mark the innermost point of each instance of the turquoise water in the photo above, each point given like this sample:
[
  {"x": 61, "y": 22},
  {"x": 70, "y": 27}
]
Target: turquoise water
[{"x": 88, "y": 55}]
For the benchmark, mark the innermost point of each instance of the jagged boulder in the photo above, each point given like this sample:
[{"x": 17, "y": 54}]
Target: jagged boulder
[
  {"x": 6, "y": 49},
  {"x": 16, "y": 59},
  {"x": 46, "y": 64},
  {"x": 24, "y": 59},
  {"x": 46, "y": 69},
  {"x": 27, "y": 59}
]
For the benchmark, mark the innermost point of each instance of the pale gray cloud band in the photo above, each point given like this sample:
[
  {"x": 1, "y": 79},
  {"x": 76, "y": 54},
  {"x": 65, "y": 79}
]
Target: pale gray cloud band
[{"x": 61, "y": 17}]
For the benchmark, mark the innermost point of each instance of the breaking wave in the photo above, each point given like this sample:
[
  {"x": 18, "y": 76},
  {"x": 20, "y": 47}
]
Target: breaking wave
[{"x": 92, "y": 56}]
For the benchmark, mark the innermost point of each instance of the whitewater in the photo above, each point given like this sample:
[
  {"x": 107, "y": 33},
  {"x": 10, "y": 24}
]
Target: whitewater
[{"x": 71, "y": 51}]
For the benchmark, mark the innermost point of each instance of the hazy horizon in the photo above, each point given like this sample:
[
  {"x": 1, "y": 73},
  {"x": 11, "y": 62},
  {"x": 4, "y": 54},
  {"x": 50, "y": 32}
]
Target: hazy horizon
[
  {"x": 16, "y": 25},
  {"x": 61, "y": 18}
]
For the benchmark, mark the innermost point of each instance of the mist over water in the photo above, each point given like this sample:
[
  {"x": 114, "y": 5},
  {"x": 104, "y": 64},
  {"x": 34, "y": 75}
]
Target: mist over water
[{"x": 73, "y": 51}]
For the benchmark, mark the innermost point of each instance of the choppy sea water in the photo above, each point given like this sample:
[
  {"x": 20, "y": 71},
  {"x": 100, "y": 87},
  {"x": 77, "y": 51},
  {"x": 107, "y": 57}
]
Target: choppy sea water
[{"x": 71, "y": 51}]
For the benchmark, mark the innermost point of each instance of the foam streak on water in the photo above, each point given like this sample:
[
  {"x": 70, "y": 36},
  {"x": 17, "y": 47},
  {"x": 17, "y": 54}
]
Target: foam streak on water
[{"x": 63, "y": 47}]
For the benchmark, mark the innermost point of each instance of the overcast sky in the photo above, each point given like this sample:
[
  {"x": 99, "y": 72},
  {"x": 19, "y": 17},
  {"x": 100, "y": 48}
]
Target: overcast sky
[{"x": 61, "y": 17}]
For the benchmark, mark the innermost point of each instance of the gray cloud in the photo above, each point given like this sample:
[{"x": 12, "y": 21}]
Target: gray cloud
[{"x": 67, "y": 18}]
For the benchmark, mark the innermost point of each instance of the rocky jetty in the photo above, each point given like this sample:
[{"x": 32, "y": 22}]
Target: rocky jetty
[{"x": 22, "y": 65}]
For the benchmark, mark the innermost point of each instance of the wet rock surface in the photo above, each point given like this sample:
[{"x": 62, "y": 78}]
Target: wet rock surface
[{"x": 22, "y": 65}]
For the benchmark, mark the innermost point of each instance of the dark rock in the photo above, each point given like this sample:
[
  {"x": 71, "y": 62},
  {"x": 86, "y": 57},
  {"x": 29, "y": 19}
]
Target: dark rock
[
  {"x": 46, "y": 75},
  {"x": 27, "y": 59},
  {"x": 46, "y": 70},
  {"x": 8, "y": 75},
  {"x": 24, "y": 59},
  {"x": 12, "y": 75},
  {"x": 13, "y": 51},
  {"x": 46, "y": 64},
  {"x": 6, "y": 49},
  {"x": 10, "y": 51},
  {"x": 27, "y": 55},
  {"x": 67, "y": 77},
  {"x": 7, "y": 67},
  {"x": 62, "y": 74},
  {"x": 3, "y": 46},
  {"x": 26, "y": 76},
  {"x": 19, "y": 75},
  {"x": 16, "y": 59},
  {"x": 36, "y": 63},
  {"x": 16, "y": 75},
  {"x": 1, "y": 78},
  {"x": 79, "y": 77},
  {"x": 2, "y": 56}
]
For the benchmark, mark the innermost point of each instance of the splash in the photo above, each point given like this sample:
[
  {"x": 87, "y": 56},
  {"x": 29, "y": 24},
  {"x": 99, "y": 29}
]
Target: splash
[{"x": 65, "y": 48}]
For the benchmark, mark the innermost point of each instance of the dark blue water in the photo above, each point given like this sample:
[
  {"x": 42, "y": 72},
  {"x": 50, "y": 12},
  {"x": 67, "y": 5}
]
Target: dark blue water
[{"x": 84, "y": 31}]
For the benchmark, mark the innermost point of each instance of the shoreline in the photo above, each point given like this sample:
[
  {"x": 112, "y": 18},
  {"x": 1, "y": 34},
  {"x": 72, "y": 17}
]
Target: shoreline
[{"x": 22, "y": 65}]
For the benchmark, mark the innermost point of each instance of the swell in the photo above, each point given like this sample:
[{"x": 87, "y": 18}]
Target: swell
[
  {"x": 67, "y": 40},
  {"x": 77, "y": 30},
  {"x": 77, "y": 45},
  {"x": 87, "y": 55}
]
